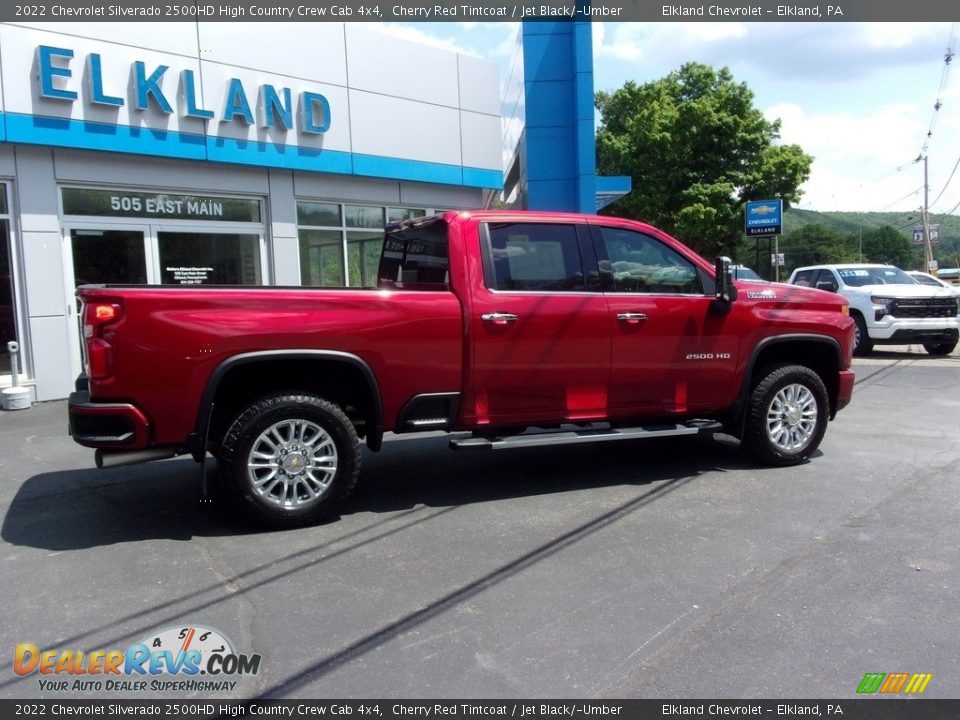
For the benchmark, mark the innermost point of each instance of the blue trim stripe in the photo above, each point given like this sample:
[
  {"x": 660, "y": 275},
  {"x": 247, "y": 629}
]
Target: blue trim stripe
[
  {"x": 66, "y": 132},
  {"x": 289, "y": 157},
  {"x": 100, "y": 136},
  {"x": 614, "y": 183},
  {"x": 478, "y": 177},
  {"x": 398, "y": 169}
]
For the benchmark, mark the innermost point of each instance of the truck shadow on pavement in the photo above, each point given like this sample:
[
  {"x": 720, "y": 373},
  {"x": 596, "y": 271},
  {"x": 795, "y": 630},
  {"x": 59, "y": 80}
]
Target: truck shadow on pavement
[{"x": 76, "y": 509}]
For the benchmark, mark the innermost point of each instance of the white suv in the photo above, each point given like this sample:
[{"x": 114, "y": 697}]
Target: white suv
[{"x": 889, "y": 306}]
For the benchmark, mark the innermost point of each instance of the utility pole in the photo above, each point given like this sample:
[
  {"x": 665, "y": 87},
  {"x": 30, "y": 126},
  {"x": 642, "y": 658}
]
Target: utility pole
[{"x": 927, "y": 248}]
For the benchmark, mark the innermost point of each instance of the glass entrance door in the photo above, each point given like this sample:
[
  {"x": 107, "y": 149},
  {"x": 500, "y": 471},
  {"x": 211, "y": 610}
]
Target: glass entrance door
[
  {"x": 108, "y": 256},
  {"x": 95, "y": 255},
  {"x": 190, "y": 257},
  {"x": 8, "y": 309}
]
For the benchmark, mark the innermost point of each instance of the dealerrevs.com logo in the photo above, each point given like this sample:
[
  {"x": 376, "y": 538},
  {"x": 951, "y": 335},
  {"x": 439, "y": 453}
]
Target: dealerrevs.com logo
[{"x": 189, "y": 659}]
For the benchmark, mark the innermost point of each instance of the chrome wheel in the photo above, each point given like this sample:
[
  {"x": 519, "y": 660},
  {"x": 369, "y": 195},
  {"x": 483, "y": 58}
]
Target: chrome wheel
[
  {"x": 292, "y": 463},
  {"x": 792, "y": 418}
]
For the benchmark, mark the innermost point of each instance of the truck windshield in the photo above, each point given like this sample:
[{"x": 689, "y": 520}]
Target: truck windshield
[
  {"x": 415, "y": 256},
  {"x": 860, "y": 276}
]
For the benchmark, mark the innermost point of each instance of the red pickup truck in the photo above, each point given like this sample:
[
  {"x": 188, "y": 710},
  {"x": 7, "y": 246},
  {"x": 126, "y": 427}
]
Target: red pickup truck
[{"x": 507, "y": 328}]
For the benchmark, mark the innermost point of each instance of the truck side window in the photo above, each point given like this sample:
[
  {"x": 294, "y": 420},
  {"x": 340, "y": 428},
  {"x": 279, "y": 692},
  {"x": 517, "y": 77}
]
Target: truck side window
[
  {"x": 534, "y": 256},
  {"x": 826, "y": 281},
  {"x": 415, "y": 257},
  {"x": 642, "y": 264},
  {"x": 804, "y": 278}
]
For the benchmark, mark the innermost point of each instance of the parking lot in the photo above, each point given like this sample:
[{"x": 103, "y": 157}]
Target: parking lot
[{"x": 653, "y": 569}]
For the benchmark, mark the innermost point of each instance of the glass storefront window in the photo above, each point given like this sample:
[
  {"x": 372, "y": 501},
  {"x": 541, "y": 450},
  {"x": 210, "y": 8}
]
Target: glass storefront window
[
  {"x": 198, "y": 258},
  {"x": 328, "y": 231},
  {"x": 398, "y": 214},
  {"x": 324, "y": 214},
  {"x": 363, "y": 258},
  {"x": 321, "y": 258},
  {"x": 159, "y": 205},
  {"x": 363, "y": 216}
]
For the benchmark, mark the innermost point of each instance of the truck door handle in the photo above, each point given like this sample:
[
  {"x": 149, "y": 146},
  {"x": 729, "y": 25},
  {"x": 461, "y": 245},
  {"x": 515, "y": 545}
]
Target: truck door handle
[
  {"x": 631, "y": 317},
  {"x": 499, "y": 318}
]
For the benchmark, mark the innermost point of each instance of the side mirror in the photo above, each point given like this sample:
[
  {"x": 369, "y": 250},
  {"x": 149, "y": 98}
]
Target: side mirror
[{"x": 723, "y": 275}]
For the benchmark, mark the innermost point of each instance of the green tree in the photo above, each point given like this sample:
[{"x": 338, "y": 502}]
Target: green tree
[
  {"x": 697, "y": 151},
  {"x": 887, "y": 245},
  {"x": 816, "y": 244}
]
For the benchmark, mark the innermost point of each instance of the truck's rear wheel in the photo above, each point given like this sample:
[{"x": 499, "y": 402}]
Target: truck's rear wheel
[
  {"x": 290, "y": 460},
  {"x": 787, "y": 415}
]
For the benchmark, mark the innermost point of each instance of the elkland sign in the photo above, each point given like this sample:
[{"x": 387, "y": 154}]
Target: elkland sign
[
  {"x": 275, "y": 107},
  {"x": 263, "y": 99}
]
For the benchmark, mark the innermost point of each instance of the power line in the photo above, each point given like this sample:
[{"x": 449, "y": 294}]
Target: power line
[
  {"x": 947, "y": 184},
  {"x": 897, "y": 202},
  {"x": 944, "y": 77},
  {"x": 910, "y": 222},
  {"x": 950, "y": 211}
]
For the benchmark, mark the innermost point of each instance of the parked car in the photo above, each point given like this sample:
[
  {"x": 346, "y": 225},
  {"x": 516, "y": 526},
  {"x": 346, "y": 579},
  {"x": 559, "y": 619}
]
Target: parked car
[
  {"x": 889, "y": 306},
  {"x": 927, "y": 279},
  {"x": 742, "y": 272}
]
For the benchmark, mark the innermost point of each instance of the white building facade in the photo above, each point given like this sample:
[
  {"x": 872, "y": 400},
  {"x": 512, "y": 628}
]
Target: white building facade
[{"x": 208, "y": 153}]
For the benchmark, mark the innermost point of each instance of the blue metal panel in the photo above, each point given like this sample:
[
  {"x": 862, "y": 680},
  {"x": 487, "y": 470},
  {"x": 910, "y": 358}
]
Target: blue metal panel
[
  {"x": 583, "y": 47},
  {"x": 586, "y": 157},
  {"x": 551, "y": 154},
  {"x": 547, "y": 57},
  {"x": 559, "y": 140},
  {"x": 551, "y": 195},
  {"x": 549, "y": 103}
]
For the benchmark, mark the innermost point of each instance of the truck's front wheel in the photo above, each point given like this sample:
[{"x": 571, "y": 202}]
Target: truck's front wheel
[
  {"x": 862, "y": 344},
  {"x": 786, "y": 415},
  {"x": 940, "y": 348},
  {"x": 290, "y": 460}
]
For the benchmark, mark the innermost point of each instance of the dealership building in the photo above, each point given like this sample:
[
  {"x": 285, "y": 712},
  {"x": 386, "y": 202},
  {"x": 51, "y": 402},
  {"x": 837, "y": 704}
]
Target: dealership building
[{"x": 257, "y": 154}]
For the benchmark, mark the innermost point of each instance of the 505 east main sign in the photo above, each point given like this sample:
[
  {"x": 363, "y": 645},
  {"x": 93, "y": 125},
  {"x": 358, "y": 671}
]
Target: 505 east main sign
[{"x": 275, "y": 107}]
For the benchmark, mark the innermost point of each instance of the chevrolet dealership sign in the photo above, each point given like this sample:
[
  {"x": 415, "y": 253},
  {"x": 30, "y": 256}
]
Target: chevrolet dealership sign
[{"x": 763, "y": 218}]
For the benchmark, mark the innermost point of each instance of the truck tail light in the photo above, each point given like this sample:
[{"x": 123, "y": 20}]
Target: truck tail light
[{"x": 97, "y": 319}]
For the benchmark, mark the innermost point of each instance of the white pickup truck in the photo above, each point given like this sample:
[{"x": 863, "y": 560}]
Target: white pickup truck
[{"x": 889, "y": 306}]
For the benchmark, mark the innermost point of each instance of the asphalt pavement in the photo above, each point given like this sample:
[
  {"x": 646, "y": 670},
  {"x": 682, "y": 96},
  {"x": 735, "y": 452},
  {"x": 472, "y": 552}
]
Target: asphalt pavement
[{"x": 651, "y": 569}]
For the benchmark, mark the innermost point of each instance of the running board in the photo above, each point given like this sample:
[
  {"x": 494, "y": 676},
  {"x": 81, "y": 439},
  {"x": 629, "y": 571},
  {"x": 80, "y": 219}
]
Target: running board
[{"x": 585, "y": 434}]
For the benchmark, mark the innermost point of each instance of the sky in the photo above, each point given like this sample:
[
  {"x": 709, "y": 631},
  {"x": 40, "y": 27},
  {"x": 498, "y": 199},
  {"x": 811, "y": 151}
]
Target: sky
[{"x": 858, "y": 97}]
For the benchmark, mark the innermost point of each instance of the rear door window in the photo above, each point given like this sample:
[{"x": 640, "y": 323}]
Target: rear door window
[
  {"x": 415, "y": 256},
  {"x": 533, "y": 257}
]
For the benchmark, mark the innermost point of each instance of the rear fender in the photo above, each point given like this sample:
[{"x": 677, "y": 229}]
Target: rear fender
[{"x": 204, "y": 424}]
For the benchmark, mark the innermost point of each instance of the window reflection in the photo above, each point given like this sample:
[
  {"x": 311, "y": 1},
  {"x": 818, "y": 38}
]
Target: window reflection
[{"x": 340, "y": 244}]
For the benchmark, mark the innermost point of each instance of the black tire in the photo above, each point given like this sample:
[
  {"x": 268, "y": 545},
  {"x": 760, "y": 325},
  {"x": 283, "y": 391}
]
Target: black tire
[
  {"x": 787, "y": 414},
  {"x": 862, "y": 345},
  {"x": 306, "y": 464},
  {"x": 942, "y": 348}
]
